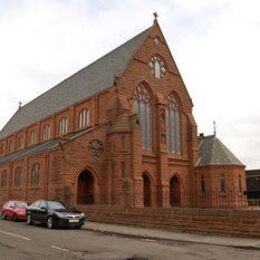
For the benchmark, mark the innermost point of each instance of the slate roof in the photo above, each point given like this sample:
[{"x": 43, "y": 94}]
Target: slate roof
[
  {"x": 213, "y": 152},
  {"x": 43, "y": 147},
  {"x": 94, "y": 78}
]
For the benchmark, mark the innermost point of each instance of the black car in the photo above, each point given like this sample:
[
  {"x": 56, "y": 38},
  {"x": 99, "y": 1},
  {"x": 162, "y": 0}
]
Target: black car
[{"x": 54, "y": 214}]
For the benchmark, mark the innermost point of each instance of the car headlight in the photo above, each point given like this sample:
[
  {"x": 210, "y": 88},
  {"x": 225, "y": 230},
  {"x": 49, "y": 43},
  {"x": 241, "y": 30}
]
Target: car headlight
[{"x": 82, "y": 215}]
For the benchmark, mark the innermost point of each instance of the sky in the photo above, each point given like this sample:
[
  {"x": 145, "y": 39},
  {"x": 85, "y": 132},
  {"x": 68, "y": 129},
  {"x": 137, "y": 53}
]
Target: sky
[{"x": 215, "y": 43}]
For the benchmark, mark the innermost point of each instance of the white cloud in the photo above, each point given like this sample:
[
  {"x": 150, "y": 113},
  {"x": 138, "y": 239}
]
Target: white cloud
[{"x": 215, "y": 44}]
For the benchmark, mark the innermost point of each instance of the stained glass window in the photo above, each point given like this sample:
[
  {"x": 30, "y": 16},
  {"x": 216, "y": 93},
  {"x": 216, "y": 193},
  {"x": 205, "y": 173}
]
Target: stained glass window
[
  {"x": 142, "y": 106},
  {"x": 173, "y": 125}
]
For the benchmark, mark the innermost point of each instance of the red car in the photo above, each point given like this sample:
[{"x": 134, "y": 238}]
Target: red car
[{"x": 15, "y": 210}]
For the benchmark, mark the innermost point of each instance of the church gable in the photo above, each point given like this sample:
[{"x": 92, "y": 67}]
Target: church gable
[{"x": 153, "y": 65}]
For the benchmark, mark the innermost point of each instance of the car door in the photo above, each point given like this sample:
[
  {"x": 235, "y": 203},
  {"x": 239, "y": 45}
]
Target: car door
[
  {"x": 43, "y": 212},
  {"x": 34, "y": 210},
  {"x": 9, "y": 209}
]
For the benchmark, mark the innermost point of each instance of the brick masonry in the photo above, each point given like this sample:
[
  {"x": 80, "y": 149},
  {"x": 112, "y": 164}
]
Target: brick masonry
[
  {"x": 113, "y": 123},
  {"x": 219, "y": 221}
]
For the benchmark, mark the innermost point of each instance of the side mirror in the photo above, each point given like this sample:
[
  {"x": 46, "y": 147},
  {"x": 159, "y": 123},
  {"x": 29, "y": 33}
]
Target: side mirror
[{"x": 12, "y": 207}]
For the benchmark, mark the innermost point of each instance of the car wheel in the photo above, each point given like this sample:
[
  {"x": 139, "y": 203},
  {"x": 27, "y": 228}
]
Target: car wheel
[
  {"x": 79, "y": 227},
  {"x": 29, "y": 220},
  {"x": 3, "y": 215},
  {"x": 50, "y": 223},
  {"x": 14, "y": 218}
]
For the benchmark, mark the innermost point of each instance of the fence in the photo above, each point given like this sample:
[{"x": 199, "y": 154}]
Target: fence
[{"x": 204, "y": 200}]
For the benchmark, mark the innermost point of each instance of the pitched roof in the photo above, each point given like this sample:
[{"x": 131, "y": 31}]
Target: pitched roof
[
  {"x": 43, "y": 147},
  {"x": 213, "y": 152},
  {"x": 94, "y": 78}
]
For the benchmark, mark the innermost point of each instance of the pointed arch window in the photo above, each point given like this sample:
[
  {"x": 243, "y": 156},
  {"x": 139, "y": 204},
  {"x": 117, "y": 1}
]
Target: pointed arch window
[
  {"x": 173, "y": 125},
  {"x": 35, "y": 175},
  {"x": 46, "y": 132},
  {"x": 63, "y": 126},
  {"x": 18, "y": 177},
  {"x": 32, "y": 137},
  {"x": 3, "y": 179},
  {"x": 203, "y": 186},
  {"x": 222, "y": 184},
  {"x": 20, "y": 142},
  {"x": 142, "y": 106},
  {"x": 83, "y": 118},
  {"x": 10, "y": 146}
]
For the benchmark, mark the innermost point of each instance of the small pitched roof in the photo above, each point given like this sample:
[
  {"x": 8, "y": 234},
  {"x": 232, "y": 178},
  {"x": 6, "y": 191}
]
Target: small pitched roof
[
  {"x": 43, "y": 147},
  {"x": 94, "y": 78},
  {"x": 213, "y": 152}
]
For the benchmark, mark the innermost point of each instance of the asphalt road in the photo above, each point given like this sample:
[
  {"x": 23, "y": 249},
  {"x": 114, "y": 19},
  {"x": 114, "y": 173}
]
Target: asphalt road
[{"x": 19, "y": 241}]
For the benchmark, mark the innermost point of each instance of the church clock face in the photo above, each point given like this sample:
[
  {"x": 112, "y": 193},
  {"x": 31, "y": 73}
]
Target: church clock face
[{"x": 157, "y": 67}]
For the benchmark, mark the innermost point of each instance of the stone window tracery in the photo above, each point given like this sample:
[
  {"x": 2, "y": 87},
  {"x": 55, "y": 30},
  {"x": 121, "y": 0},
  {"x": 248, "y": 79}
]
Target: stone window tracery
[
  {"x": 173, "y": 125},
  {"x": 157, "y": 67},
  {"x": 142, "y": 106}
]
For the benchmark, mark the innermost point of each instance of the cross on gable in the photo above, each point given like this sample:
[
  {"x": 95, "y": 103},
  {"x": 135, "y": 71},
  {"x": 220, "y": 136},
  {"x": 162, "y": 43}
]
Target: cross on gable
[{"x": 155, "y": 16}]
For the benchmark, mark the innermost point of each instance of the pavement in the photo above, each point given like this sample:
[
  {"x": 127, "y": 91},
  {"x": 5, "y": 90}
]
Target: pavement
[
  {"x": 157, "y": 234},
  {"x": 99, "y": 241}
]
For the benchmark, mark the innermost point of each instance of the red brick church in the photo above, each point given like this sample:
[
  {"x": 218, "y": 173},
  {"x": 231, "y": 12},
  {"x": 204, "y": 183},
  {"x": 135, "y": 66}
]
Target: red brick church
[{"x": 118, "y": 132}]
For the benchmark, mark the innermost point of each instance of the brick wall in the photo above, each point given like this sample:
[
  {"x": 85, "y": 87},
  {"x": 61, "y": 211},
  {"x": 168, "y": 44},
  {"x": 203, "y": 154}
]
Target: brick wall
[{"x": 230, "y": 222}]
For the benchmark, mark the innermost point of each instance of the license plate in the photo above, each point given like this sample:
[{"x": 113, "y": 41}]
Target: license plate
[{"x": 73, "y": 220}]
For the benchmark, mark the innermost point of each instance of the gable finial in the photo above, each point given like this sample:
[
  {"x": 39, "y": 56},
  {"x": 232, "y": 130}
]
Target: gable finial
[
  {"x": 20, "y": 104},
  {"x": 155, "y": 17},
  {"x": 215, "y": 128}
]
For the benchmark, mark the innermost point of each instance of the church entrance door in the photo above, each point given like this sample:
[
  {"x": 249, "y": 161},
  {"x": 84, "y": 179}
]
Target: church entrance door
[
  {"x": 175, "y": 192},
  {"x": 85, "y": 194},
  {"x": 147, "y": 190}
]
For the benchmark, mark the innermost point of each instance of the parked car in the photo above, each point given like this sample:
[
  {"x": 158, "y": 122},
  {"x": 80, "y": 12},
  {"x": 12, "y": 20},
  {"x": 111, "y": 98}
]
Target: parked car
[
  {"x": 15, "y": 210},
  {"x": 54, "y": 214}
]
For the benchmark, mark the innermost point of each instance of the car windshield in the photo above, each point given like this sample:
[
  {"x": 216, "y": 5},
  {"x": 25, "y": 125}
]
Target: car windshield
[
  {"x": 21, "y": 205},
  {"x": 55, "y": 205}
]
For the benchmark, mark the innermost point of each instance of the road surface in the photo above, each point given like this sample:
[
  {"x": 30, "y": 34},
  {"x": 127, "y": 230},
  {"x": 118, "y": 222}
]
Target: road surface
[{"x": 18, "y": 241}]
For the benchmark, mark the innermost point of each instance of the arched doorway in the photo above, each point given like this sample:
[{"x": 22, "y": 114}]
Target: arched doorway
[
  {"x": 175, "y": 192},
  {"x": 86, "y": 188},
  {"x": 147, "y": 191}
]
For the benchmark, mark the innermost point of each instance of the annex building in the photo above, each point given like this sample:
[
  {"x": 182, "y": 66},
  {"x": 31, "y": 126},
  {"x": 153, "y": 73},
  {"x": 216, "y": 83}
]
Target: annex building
[{"x": 118, "y": 132}]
